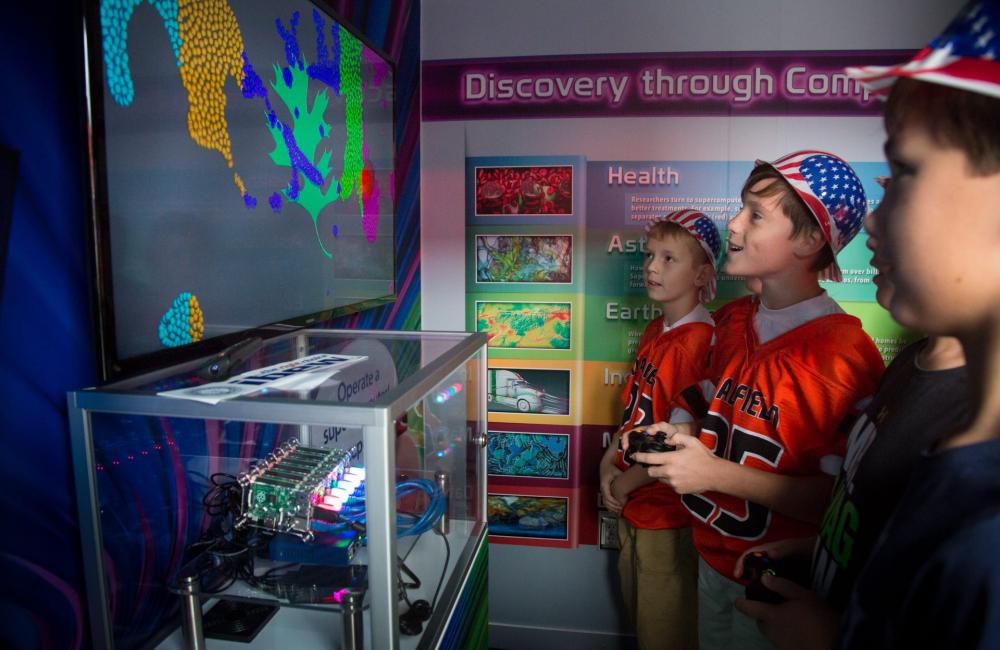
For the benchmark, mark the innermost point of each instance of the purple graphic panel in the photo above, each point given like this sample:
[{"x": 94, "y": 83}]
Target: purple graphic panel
[{"x": 700, "y": 83}]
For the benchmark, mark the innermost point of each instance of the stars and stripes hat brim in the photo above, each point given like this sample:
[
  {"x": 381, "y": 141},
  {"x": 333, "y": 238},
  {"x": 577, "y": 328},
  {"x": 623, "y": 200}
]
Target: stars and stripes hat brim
[
  {"x": 832, "y": 192},
  {"x": 706, "y": 233},
  {"x": 963, "y": 56}
]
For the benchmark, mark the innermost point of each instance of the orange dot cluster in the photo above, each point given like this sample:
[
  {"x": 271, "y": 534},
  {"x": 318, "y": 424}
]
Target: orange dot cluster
[
  {"x": 196, "y": 320},
  {"x": 211, "y": 51}
]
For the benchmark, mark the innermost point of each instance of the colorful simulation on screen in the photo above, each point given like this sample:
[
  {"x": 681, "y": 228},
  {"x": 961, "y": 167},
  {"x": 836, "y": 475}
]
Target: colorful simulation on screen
[
  {"x": 183, "y": 323},
  {"x": 248, "y": 149}
]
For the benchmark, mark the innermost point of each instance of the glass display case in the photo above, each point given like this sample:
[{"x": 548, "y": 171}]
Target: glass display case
[{"x": 332, "y": 504}]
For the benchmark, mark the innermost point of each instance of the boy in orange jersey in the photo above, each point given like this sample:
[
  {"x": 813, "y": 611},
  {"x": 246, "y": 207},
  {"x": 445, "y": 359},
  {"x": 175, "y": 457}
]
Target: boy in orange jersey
[
  {"x": 789, "y": 370},
  {"x": 658, "y": 563}
]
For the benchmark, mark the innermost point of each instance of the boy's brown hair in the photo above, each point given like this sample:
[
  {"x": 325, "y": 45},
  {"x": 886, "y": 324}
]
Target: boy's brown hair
[
  {"x": 955, "y": 118},
  {"x": 803, "y": 220},
  {"x": 667, "y": 229}
]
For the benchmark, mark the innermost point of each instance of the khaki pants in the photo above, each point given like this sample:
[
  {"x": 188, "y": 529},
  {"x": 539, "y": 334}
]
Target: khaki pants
[
  {"x": 720, "y": 625},
  {"x": 659, "y": 576}
]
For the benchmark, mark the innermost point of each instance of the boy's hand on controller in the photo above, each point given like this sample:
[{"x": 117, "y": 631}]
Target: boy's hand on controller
[
  {"x": 783, "y": 548},
  {"x": 686, "y": 428},
  {"x": 687, "y": 469},
  {"x": 803, "y": 621},
  {"x": 665, "y": 427}
]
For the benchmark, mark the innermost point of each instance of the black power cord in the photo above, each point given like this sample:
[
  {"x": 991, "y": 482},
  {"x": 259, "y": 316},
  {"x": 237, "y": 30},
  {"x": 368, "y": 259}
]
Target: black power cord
[{"x": 411, "y": 622}]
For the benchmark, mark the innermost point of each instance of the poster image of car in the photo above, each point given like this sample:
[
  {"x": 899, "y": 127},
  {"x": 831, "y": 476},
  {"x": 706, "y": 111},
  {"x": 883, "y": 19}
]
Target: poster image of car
[
  {"x": 536, "y": 189},
  {"x": 533, "y": 455},
  {"x": 528, "y": 391},
  {"x": 525, "y": 325},
  {"x": 524, "y": 258},
  {"x": 513, "y": 515}
]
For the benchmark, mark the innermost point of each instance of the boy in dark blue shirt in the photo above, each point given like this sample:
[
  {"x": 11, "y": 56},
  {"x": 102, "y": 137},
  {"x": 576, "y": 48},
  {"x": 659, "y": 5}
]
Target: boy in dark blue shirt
[{"x": 933, "y": 579}]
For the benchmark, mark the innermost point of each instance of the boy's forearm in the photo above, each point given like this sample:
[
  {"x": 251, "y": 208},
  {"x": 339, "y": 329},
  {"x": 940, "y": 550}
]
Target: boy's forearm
[
  {"x": 608, "y": 459},
  {"x": 802, "y": 497},
  {"x": 634, "y": 477}
]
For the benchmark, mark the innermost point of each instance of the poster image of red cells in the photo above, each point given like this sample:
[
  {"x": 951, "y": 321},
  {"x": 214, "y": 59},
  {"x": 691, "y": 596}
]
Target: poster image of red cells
[{"x": 543, "y": 190}]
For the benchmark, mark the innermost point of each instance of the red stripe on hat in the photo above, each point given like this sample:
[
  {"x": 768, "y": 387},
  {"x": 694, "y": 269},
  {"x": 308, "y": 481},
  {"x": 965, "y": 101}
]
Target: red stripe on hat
[
  {"x": 974, "y": 69},
  {"x": 819, "y": 211}
]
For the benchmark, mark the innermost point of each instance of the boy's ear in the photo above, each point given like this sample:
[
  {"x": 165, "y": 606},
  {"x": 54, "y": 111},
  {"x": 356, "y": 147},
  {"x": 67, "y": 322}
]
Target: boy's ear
[
  {"x": 809, "y": 243},
  {"x": 704, "y": 275}
]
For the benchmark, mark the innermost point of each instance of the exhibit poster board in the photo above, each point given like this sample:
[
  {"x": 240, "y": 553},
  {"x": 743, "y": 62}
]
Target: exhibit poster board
[{"x": 563, "y": 161}]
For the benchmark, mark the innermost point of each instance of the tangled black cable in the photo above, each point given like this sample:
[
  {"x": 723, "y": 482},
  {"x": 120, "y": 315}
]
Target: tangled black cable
[
  {"x": 223, "y": 498},
  {"x": 224, "y": 554}
]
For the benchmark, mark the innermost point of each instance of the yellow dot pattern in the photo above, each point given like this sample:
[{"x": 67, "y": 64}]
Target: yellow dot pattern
[
  {"x": 211, "y": 51},
  {"x": 196, "y": 320},
  {"x": 240, "y": 184}
]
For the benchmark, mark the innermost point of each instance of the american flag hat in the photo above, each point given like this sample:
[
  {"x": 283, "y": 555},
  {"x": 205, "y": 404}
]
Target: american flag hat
[
  {"x": 833, "y": 193},
  {"x": 963, "y": 56},
  {"x": 704, "y": 230}
]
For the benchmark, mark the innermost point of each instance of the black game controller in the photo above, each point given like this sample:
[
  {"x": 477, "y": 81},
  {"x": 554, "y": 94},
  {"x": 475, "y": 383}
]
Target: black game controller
[
  {"x": 640, "y": 442},
  {"x": 758, "y": 564}
]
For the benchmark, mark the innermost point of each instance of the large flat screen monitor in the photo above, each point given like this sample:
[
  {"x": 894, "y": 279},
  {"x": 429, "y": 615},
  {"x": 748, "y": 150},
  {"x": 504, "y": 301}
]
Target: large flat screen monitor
[{"x": 243, "y": 170}]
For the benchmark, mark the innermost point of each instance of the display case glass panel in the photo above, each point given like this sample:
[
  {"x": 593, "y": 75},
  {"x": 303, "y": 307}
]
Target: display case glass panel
[{"x": 369, "y": 485}]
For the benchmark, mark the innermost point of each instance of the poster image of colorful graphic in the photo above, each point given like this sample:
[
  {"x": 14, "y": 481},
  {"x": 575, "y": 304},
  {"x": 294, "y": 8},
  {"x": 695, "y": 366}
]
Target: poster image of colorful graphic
[
  {"x": 524, "y": 259},
  {"x": 540, "y": 190},
  {"x": 528, "y": 390},
  {"x": 525, "y": 325},
  {"x": 511, "y": 515},
  {"x": 533, "y": 455}
]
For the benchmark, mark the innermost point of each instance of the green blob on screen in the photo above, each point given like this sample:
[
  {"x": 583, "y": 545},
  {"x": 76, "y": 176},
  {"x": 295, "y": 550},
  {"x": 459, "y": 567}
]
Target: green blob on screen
[{"x": 311, "y": 131}]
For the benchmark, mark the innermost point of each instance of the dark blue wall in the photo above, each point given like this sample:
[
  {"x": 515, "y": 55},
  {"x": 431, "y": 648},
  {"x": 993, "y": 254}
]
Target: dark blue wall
[{"x": 45, "y": 328}]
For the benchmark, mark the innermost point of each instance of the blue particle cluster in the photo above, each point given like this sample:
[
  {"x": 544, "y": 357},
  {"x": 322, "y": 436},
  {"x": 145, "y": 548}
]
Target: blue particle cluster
[
  {"x": 300, "y": 163},
  {"x": 168, "y": 12},
  {"x": 174, "y": 327},
  {"x": 292, "y": 53},
  {"x": 327, "y": 67},
  {"x": 253, "y": 85},
  {"x": 115, "y": 16}
]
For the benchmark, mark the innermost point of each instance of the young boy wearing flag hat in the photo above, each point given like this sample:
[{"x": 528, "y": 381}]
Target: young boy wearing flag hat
[
  {"x": 788, "y": 369},
  {"x": 657, "y": 563}
]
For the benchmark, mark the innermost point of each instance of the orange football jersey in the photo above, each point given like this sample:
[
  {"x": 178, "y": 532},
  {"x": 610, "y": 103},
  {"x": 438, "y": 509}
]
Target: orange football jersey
[
  {"x": 782, "y": 406},
  {"x": 666, "y": 363}
]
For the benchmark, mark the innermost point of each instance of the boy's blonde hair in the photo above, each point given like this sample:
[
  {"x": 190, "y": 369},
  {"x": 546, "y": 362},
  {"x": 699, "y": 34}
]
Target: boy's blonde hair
[{"x": 669, "y": 229}]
